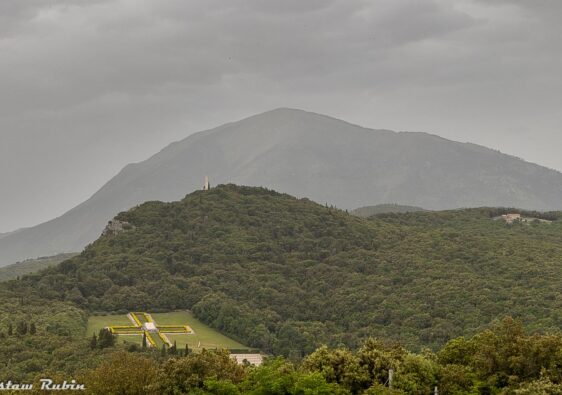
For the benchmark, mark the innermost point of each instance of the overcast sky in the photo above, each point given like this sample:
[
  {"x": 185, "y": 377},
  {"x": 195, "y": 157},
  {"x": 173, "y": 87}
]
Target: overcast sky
[{"x": 87, "y": 86}]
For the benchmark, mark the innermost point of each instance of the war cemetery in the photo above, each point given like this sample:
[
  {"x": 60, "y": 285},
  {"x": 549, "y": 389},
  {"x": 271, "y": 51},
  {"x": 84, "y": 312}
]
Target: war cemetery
[
  {"x": 142, "y": 324},
  {"x": 159, "y": 329}
]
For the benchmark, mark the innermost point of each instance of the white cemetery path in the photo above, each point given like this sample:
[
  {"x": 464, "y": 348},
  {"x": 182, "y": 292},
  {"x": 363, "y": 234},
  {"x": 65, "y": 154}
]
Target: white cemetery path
[{"x": 151, "y": 327}]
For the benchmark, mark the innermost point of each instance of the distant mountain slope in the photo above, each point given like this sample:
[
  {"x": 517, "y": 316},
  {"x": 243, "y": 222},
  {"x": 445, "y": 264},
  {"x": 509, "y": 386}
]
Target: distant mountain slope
[
  {"x": 10, "y": 233},
  {"x": 19, "y": 269},
  {"x": 311, "y": 155},
  {"x": 369, "y": 211}
]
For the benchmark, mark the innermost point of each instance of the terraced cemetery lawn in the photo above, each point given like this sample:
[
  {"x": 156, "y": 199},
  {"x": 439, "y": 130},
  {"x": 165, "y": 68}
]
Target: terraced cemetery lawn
[
  {"x": 97, "y": 322},
  {"x": 203, "y": 336},
  {"x": 208, "y": 337}
]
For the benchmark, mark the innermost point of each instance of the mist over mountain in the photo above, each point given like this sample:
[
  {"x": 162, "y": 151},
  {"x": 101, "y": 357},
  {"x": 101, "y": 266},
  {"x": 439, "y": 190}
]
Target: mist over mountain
[{"x": 304, "y": 154}]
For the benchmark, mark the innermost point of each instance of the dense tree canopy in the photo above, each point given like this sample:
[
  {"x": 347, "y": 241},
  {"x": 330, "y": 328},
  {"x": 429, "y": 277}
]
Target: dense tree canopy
[
  {"x": 501, "y": 360},
  {"x": 288, "y": 276}
]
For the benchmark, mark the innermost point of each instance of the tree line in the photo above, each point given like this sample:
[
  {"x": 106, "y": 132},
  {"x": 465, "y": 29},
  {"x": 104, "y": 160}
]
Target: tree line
[{"x": 501, "y": 360}]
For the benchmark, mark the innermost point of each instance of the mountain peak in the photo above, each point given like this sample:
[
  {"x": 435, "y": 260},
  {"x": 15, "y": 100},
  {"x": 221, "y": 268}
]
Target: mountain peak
[
  {"x": 287, "y": 113},
  {"x": 286, "y": 110}
]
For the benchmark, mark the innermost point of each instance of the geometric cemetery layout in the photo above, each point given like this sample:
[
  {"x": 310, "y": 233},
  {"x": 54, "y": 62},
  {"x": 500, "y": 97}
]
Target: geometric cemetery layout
[{"x": 144, "y": 324}]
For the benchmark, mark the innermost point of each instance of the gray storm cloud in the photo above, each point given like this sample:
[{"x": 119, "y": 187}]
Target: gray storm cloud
[{"x": 86, "y": 87}]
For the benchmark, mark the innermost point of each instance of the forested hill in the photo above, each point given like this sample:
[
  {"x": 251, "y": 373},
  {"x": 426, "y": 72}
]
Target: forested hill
[
  {"x": 307, "y": 155},
  {"x": 286, "y": 274}
]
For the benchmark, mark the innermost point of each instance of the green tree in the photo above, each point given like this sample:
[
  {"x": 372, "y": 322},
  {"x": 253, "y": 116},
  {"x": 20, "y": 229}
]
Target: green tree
[
  {"x": 275, "y": 377},
  {"x": 416, "y": 375},
  {"x": 542, "y": 386},
  {"x": 123, "y": 373},
  {"x": 21, "y": 328},
  {"x": 314, "y": 384},
  {"x": 189, "y": 374},
  {"x": 339, "y": 366},
  {"x": 220, "y": 387},
  {"x": 105, "y": 338},
  {"x": 94, "y": 341},
  {"x": 377, "y": 360}
]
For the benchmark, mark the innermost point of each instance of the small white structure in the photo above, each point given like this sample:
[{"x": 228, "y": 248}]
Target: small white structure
[
  {"x": 252, "y": 359},
  {"x": 206, "y": 186},
  {"x": 149, "y": 326},
  {"x": 510, "y": 218}
]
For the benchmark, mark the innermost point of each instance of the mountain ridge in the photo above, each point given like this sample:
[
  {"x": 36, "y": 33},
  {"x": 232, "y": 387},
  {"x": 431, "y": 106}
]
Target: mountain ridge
[
  {"x": 304, "y": 154},
  {"x": 368, "y": 211}
]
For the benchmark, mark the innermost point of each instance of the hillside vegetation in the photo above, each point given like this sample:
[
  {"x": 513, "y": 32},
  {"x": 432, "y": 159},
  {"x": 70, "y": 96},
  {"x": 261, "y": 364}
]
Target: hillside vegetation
[
  {"x": 369, "y": 211},
  {"x": 287, "y": 275},
  {"x": 28, "y": 266},
  {"x": 501, "y": 360}
]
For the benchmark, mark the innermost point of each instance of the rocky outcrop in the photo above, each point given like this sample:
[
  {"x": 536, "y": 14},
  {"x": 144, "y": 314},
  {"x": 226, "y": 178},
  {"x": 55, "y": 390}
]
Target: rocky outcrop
[{"x": 115, "y": 227}]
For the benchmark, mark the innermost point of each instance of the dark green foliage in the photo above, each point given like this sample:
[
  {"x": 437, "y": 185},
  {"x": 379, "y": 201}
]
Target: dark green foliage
[
  {"x": 59, "y": 344},
  {"x": 501, "y": 360},
  {"x": 94, "y": 342},
  {"x": 287, "y": 275},
  {"x": 186, "y": 375},
  {"x": 505, "y": 355},
  {"x": 174, "y": 349},
  {"x": 16, "y": 270},
  {"x": 21, "y": 328},
  {"x": 105, "y": 339}
]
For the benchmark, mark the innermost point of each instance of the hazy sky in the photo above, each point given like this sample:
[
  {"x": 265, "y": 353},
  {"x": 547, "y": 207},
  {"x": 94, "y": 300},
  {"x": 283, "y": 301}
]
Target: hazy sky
[{"x": 87, "y": 86}]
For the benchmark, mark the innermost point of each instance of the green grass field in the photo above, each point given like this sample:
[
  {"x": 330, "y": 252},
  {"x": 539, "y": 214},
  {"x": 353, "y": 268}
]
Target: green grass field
[
  {"x": 203, "y": 336},
  {"x": 208, "y": 337},
  {"x": 97, "y": 322}
]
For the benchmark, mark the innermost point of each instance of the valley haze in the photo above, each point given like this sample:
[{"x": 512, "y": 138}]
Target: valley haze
[{"x": 306, "y": 155}]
